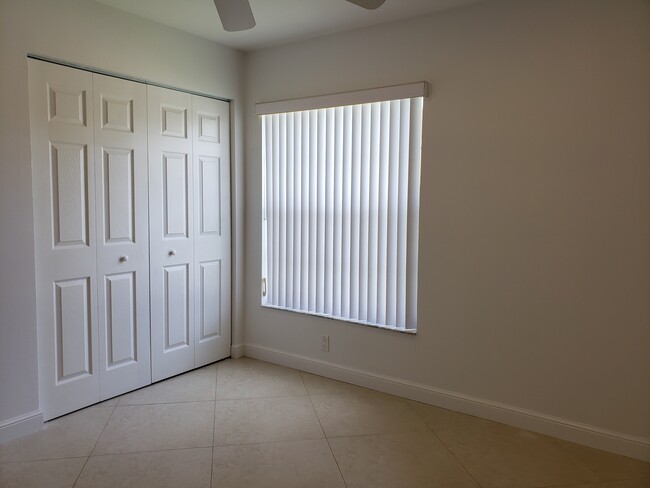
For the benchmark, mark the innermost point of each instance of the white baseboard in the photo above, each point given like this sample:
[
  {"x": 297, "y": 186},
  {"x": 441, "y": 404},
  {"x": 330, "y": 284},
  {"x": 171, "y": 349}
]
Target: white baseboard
[
  {"x": 237, "y": 351},
  {"x": 588, "y": 435},
  {"x": 20, "y": 426}
]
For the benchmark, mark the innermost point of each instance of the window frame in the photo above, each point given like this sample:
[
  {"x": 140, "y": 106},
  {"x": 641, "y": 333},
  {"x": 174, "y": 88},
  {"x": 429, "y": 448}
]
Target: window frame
[{"x": 339, "y": 101}]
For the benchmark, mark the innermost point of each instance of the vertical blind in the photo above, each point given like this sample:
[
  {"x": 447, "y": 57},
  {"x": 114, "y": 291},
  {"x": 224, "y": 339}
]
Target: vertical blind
[{"x": 341, "y": 190}]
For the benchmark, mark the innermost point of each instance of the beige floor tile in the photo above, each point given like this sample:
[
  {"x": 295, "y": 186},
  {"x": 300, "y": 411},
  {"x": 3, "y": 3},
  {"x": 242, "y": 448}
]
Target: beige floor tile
[
  {"x": 364, "y": 413},
  {"x": 195, "y": 386},
  {"x": 436, "y": 417},
  {"x": 499, "y": 456},
  {"x": 73, "y": 435},
  {"x": 134, "y": 428},
  {"x": 57, "y": 473},
  {"x": 640, "y": 483},
  {"x": 249, "y": 378},
  {"x": 410, "y": 459},
  {"x": 307, "y": 464},
  {"x": 608, "y": 467},
  {"x": 635, "y": 483},
  {"x": 319, "y": 385},
  {"x": 265, "y": 420},
  {"x": 187, "y": 468}
]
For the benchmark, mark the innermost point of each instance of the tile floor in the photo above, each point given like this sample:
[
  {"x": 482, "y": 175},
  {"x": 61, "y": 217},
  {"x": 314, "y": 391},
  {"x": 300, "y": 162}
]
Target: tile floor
[{"x": 246, "y": 423}]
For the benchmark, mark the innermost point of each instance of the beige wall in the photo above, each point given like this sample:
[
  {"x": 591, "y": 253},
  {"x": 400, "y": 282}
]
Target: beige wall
[
  {"x": 535, "y": 241},
  {"x": 83, "y": 32}
]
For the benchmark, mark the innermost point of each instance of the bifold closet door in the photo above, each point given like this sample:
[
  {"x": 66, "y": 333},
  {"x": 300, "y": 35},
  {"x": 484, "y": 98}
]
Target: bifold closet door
[
  {"x": 122, "y": 234},
  {"x": 171, "y": 228},
  {"x": 89, "y": 161},
  {"x": 132, "y": 233},
  {"x": 211, "y": 143},
  {"x": 189, "y": 212},
  {"x": 63, "y": 173}
]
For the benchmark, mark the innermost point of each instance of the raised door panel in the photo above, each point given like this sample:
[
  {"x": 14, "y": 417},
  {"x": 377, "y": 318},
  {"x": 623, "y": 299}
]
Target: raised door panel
[
  {"x": 69, "y": 177},
  {"x": 122, "y": 234},
  {"x": 121, "y": 329},
  {"x": 176, "y": 307},
  {"x": 212, "y": 224},
  {"x": 63, "y": 169},
  {"x": 210, "y": 210},
  {"x": 66, "y": 104},
  {"x": 210, "y": 306},
  {"x": 171, "y": 231},
  {"x": 116, "y": 110},
  {"x": 73, "y": 329},
  {"x": 119, "y": 195},
  {"x": 173, "y": 121},
  {"x": 175, "y": 191}
]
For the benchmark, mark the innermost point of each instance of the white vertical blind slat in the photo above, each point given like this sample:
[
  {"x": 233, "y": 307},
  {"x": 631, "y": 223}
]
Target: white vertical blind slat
[
  {"x": 391, "y": 214},
  {"x": 346, "y": 212},
  {"x": 337, "y": 223},
  {"x": 289, "y": 177},
  {"x": 305, "y": 211},
  {"x": 297, "y": 208},
  {"x": 265, "y": 205},
  {"x": 275, "y": 214},
  {"x": 341, "y": 197},
  {"x": 313, "y": 209},
  {"x": 355, "y": 211},
  {"x": 402, "y": 210},
  {"x": 320, "y": 218},
  {"x": 373, "y": 217},
  {"x": 282, "y": 191},
  {"x": 364, "y": 225},
  {"x": 382, "y": 213},
  {"x": 329, "y": 210},
  {"x": 414, "y": 212}
]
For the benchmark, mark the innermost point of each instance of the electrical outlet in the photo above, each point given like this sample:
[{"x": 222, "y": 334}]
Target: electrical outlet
[{"x": 325, "y": 343}]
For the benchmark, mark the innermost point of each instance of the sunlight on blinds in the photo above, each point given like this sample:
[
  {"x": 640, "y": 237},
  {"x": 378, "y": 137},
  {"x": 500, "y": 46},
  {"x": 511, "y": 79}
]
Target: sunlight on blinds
[{"x": 341, "y": 191}]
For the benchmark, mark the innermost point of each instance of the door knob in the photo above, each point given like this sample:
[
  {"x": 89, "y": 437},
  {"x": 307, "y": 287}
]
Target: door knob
[
  {"x": 124, "y": 259},
  {"x": 172, "y": 252}
]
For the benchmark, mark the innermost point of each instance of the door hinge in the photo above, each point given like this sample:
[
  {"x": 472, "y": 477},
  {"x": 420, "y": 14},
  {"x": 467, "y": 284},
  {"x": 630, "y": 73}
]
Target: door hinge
[{"x": 263, "y": 287}]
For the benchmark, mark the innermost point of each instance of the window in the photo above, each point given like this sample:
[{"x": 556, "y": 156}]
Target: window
[{"x": 341, "y": 186}]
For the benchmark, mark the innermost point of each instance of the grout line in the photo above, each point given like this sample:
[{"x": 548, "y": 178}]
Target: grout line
[
  {"x": 323, "y": 430},
  {"x": 445, "y": 446},
  {"x": 270, "y": 442},
  {"x": 392, "y": 432},
  {"x": 573, "y": 485},
  {"x": 455, "y": 458},
  {"x": 103, "y": 429},
  {"x": 260, "y": 397},
  {"x": 149, "y": 450},
  {"x": 162, "y": 403},
  {"x": 214, "y": 425},
  {"x": 76, "y": 480},
  {"x": 41, "y": 459},
  {"x": 211, "y": 466},
  {"x": 277, "y": 441},
  {"x": 94, "y": 445}
]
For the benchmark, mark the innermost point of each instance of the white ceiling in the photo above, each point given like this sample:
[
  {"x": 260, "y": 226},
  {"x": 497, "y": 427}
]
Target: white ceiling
[{"x": 278, "y": 21}]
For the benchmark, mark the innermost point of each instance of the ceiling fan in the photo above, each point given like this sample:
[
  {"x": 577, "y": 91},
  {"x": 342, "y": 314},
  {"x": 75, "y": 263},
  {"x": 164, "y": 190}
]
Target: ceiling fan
[{"x": 236, "y": 15}]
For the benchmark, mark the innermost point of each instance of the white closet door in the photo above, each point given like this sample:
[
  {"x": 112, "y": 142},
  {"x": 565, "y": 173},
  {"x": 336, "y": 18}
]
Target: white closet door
[
  {"x": 61, "y": 114},
  {"x": 212, "y": 229},
  {"x": 171, "y": 203},
  {"x": 122, "y": 234}
]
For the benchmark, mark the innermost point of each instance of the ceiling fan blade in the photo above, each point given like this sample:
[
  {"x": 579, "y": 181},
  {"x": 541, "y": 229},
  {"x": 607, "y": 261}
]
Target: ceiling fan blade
[
  {"x": 235, "y": 15},
  {"x": 368, "y": 4}
]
